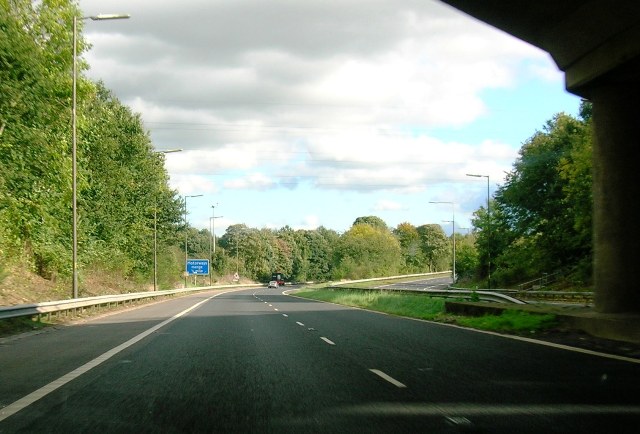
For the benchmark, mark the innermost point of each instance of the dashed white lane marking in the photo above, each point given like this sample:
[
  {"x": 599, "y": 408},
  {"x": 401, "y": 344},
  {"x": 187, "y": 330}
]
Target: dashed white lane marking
[
  {"x": 275, "y": 309},
  {"x": 26, "y": 401},
  {"x": 270, "y": 305},
  {"x": 328, "y": 341},
  {"x": 388, "y": 378},
  {"x": 299, "y": 323},
  {"x": 285, "y": 315}
]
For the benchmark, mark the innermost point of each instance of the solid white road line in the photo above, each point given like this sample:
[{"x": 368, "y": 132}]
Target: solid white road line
[
  {"x": 470, "y": 410},
  {"x": 387, "y": 378},
  {"x": 24, "y": 402}
]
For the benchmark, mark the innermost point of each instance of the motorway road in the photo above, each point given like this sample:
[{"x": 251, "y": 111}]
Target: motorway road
[
  {"x": 260, "y": 361},
  {"x": 439, "y": 283}
]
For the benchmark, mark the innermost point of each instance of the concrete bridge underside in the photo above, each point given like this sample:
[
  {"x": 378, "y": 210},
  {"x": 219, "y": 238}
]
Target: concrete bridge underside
[{"x": 597, "y": 45}]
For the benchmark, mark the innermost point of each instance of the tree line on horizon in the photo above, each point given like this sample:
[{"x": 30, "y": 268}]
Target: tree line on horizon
[
  {"x": 368, "y": 249},
  {"x": 540, "y": 219}
]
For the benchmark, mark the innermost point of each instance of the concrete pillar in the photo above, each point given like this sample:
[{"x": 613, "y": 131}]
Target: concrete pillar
[{"x": 616, "y": 197}]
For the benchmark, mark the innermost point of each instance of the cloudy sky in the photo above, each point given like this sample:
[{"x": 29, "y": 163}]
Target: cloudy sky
[{"x": 309, "y": 113}]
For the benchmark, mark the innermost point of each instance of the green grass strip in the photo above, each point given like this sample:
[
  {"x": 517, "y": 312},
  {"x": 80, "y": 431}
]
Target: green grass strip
[
  {"x": 415, "y": 306},
  {"x": 425, "y": 307},
  {"x": 510, "y": 321}
]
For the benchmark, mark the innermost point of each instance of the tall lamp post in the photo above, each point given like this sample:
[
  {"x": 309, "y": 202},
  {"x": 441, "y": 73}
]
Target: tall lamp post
[
  {"x": 488, "y": 230},
  {"x": 212, "y": 226},
  {"x": 74, "y": 185},
  {"x": 155, "y": 228},
  {"x": 453, "y": 235},
  {"x": 186, "y": 233}
]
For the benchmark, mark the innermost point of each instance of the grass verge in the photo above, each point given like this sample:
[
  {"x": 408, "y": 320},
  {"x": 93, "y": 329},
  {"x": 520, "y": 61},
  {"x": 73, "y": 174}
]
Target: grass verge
[
  {"x": 431, "y": 308},
  {"x": 515, "y": 321}
]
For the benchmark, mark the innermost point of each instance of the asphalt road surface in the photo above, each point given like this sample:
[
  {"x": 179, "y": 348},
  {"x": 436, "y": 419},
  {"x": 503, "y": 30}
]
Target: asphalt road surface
[
  {"x": 439, "y": 283},
  {"x": 260, "y": 361}
]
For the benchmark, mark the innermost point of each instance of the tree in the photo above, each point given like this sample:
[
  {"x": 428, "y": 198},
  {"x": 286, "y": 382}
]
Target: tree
[
  {"x": 371, "y": 220},
  {"x": 542, "y": 220},
  {"x": 435, "y": 247},
  {"x": 367, "y": 251},
  {"x": 288, "y": 253},
  {"x": 409, "y": 239},
  {"x": 467, "y": 260},
  {"x": 488, "y": 238},
  {"x": 35, "y": 89},
  {"x": 231, "y": 243},
  {"x": 318, "y": 252},
  {"x": 122, "y": 185}
]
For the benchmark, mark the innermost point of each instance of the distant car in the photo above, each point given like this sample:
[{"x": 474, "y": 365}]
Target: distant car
[
  {"x": 278, "y": 277},
  {"x": 273, "y": 284}
]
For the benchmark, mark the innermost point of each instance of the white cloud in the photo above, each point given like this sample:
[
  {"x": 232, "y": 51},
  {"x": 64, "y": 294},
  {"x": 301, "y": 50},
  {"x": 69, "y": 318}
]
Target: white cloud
[
  {"x": 192, "y": 184},
  {"x": 401, "y": 163},
  {"x": 546, "y": 71},
  {"x": 220, "y": 226},
  {"x": 309, "y": 222},
  {"x": 240, "y": 156},
  {"x": 332, "y": 95},
  {"x": 254, "y": 181},
  {"x": 239, "y": 78},
  {"x": 388, "y": 205}
]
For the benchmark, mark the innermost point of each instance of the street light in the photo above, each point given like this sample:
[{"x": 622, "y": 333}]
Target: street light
[
  {"x": 155, "y": 227},
  {"x": 453, "y": 235},
  {"x": 213, "y": 237},
  {"x": 488, "y": 230},
  {"x": 186, "y": 233},
  {"x": 74, "y": 186}
]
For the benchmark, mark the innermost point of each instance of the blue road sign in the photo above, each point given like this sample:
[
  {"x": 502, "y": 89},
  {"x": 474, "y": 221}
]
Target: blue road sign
[{"x": 198, "y": 266}]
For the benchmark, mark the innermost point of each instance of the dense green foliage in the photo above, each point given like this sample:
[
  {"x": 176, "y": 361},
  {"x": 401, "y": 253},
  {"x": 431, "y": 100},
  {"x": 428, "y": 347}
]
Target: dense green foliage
[
  {"x": 541, "y": 217},
  {"x": 122, "y": 183},
  {"x": 35, "y": 112},
  {"x": 121, "y": 180},
  {"x": 365, "y": 250}
]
